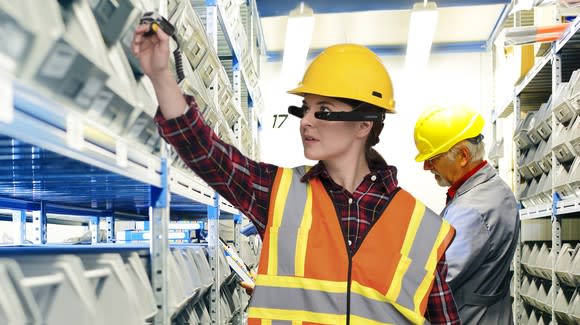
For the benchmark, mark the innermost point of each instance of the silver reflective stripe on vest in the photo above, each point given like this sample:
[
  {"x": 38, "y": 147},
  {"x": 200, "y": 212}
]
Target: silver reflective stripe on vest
[
  {"x": 420, "y": 251},
  {"x": 376, "y": 310},
  {"x": 281, "y": 322},
  {"x": 300, "y": 299},
  {"x": 293, "y": 212}
]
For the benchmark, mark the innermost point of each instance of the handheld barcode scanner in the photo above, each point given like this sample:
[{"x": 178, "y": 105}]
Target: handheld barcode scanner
[
  {"x": 357, "y": 114},
  {"x": 156, "y": 21}
]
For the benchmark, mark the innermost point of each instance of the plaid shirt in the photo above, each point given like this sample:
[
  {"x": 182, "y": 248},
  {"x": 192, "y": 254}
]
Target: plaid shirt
[{"x": 246, "y": 184}]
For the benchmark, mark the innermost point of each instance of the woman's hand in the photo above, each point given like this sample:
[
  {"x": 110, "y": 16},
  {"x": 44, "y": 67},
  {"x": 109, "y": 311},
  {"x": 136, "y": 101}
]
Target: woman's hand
[
  {"x": 152, "y": 51},
  {"x": 153, "y": 54},
  {"x": 248, "y": 286}
]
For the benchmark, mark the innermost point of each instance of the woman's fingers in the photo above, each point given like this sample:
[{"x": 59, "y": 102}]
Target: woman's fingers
[
  {"x": 248, "y": 286},
  {"x": 139, "y": 38}
]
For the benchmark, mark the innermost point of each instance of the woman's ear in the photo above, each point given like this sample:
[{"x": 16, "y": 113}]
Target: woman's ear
[{"x": 364, "y": 128}]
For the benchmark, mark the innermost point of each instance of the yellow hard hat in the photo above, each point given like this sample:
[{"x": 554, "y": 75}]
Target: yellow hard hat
[
  {"x": 438, "y": 129},
  {"x": 348, "y": 71}
]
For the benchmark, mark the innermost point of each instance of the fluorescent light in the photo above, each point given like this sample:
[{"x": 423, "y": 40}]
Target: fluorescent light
[
  {"x": 298, "y": 36},
  {"x": 421, "y": 31}
]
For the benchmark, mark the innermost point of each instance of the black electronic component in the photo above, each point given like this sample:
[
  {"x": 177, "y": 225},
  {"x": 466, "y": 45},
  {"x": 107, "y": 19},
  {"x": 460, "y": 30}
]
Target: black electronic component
[{"x": 355, "y": 115}]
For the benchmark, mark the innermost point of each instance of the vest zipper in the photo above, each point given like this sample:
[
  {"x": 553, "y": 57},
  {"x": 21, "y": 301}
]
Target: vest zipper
[{"x": 348, "y": 284}]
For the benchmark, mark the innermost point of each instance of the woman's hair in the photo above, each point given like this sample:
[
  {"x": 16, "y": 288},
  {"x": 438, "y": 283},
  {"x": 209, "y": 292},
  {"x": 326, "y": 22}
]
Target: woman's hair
[{"x": 372, "y": 156}]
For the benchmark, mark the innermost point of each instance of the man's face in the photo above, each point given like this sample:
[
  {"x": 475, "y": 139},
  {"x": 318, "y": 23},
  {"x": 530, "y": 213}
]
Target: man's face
[{"x": 444, "y": 167}]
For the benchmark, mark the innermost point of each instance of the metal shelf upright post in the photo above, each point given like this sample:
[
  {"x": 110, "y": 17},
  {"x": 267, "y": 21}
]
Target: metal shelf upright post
[
  {"x": 556, "y": 220},
  {"x": 213, "y": 212},
  {"x": 518, "y": 253},
  {"x": 159, "y": 249},
  {"x": 110, "y": 228}
]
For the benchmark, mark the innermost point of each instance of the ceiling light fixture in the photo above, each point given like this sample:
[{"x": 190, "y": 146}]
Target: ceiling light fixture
[
  {"x": 298, "y": 36},
  {"x": 421, "y": 32}
]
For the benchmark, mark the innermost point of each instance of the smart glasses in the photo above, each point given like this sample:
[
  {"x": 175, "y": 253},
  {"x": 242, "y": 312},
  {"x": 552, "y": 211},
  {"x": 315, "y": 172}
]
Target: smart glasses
[{"x": 357, "y": 114}]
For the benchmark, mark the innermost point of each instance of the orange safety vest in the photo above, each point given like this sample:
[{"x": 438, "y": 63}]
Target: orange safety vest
[{"x": 306, "y": 274}]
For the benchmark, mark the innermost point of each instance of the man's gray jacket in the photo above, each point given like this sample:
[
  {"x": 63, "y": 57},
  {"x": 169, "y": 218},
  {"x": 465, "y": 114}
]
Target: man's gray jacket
[{"x": 485, "y": 216}]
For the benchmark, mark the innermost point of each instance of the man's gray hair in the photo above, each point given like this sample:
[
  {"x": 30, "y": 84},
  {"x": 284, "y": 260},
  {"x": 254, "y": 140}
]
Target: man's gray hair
[{"x": 476, "y": 151}]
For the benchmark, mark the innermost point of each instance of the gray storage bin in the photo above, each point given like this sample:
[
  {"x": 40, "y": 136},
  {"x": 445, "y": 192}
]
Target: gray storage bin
[
  {"x": 29, "y": 30},
  {"x": 563, "y": 109},
  {"x": 540, "y": 128},
  {"x": 115, "y": 102},
  {"x": 545, "y": 189},
  {"x": 574, "y": 307},
  {"x": 575, "y": 266},
  {"x": 563, "y": 149},
  {"x": 544, "y": 155},
  {"x": 77, "y": 67},
  {"x": 200, "y": 258},
  {"x": 523, "y": 169},
  {"x": 17, "y": 304},
  {"x": 562, "y": 306},
  {"x": 138, "y": 273},
  {"x": 117, "y": 296},
  {"x": 496, "y": 150},
  {"x": 530, "y": 200},
  {"x": 190, "y": 32},
  {"x": 531, "y": 163},
  {"x": 521, "y": 138},
  {"x": 564, "y": 264},
  {"x": 112, "y": 17},
  {"x": 574, "y": 137},
  {"x": 568, "y": 182},
  {"x": 62, "y": 291},
  {"x": 574, "y": 92},
  {"x": 561, "y": 185},
  {"x": 544, "y": 126}
]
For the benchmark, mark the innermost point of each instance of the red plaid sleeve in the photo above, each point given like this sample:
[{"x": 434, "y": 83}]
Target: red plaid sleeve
[
  {"x": 243, "y": 182},
  {"x": 441, "y": 308}
]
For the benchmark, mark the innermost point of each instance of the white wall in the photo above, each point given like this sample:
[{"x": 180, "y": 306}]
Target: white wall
[{"x": 450, "y": 78}]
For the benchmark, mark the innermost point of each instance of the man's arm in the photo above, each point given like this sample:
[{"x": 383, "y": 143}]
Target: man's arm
[{"x": 470, "y": 246}]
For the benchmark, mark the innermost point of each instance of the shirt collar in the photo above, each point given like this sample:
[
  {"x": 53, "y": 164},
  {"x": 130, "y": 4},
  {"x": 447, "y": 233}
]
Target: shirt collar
[
  {"x": 455, "y": 186},
  {"x": 383, "y": 171}
]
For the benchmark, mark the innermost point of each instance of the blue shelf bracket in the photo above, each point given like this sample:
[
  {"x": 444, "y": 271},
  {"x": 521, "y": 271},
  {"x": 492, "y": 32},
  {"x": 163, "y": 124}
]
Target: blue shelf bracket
[
  {"x": 94, "y": 229},
  {"x": 213, "y": 216},
  {"x": 159, "y": 222},
  {"x": 110, "y": 228},
  {"x": 19, "y": 223},
  {"x": 237, "y": 88},
  {"x": 39, "y": 225}
]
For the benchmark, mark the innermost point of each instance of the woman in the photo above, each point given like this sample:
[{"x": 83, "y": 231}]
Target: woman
[{"x": 342, "y": 243}]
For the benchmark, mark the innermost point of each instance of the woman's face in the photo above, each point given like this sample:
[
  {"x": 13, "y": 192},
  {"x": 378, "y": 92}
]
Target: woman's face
[{"x": 327, "y": 140}]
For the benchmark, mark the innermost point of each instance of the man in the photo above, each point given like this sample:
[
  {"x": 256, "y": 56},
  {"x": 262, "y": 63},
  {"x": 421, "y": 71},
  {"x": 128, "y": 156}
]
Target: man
[{"x": 480, "y": 206}]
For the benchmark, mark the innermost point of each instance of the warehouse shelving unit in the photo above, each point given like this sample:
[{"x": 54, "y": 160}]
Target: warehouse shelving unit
[
  {"x": 546, "y": 180},
  {"x": 95, "y": 154}
]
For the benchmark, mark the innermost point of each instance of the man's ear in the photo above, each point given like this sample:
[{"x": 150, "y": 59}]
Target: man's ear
[{"x": 464, "y": 156}]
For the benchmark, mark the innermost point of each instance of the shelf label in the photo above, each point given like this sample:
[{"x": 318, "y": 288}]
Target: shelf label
[
  {"x": 6, "y": 100},
  {"x": 74, "y": 132},
  {"x": 121, "y": 154}
]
